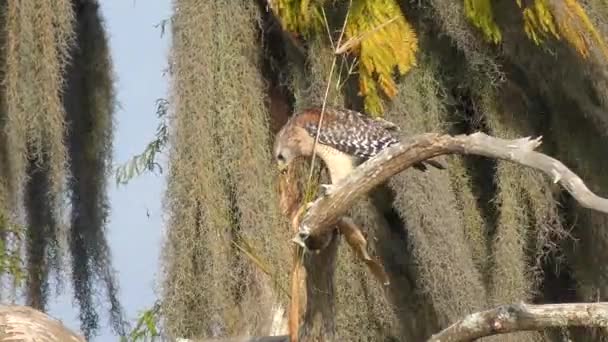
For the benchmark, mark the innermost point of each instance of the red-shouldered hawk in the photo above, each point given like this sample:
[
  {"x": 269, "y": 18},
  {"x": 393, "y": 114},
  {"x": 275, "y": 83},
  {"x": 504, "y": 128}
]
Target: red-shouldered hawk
[{"x": 347, "y": 138}]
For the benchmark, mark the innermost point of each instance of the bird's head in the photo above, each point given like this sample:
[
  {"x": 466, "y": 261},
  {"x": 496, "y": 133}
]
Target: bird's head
[{"x": 290, "y": 143}]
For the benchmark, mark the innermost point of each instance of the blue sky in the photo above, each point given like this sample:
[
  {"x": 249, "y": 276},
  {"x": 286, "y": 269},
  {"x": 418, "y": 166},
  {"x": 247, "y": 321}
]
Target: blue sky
[{"x": 140, "y": 56}]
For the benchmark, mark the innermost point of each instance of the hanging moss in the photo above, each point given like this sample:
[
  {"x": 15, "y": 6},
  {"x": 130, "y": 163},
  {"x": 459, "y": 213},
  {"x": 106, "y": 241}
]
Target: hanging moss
[
  {"x": 532, "y": 103},
  {"x": 224, "y": 215},
  {"x": 42, "y": 241},
  {"x": 5, "y": 179},
  {"x": 243, "y": 137},
  {"x": 49, "y": 64},
  {"x": 89, "y": 103},
  {"x": 38, "y": 37},
  {"x": 475, "y": 226},
  {"x": 449, "y": 17},
  {"x": 429, "y": 210},
  {"x": 579, "y": 143},
  {"x": 512, "y": 276},
  {"x": 309, "y": 81},
  {"x": 7, "y": 188},
  {"x": 535, "y": 210}
]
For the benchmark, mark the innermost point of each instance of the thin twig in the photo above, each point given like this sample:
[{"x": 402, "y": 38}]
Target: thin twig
[
  {"x": 324, "y": 104},
  {"x": 299, "y": 252},
  {"x": 354, "y": 41},
  {"x": 294, "y": 307}
]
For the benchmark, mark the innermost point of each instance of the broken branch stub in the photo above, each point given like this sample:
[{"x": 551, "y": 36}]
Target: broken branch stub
[{"x": 326, "y": 210}]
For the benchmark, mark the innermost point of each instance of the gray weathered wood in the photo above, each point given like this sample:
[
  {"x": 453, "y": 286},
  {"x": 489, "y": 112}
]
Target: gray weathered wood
[
  {"x": 281, "y": 338},
  {"x": 326, "y": 210},
  {"x": 23, "y": 323},
  {"x": 520, "y": 317}
]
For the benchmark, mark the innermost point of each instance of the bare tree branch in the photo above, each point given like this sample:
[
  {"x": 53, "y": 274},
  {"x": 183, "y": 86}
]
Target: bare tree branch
[
  {"x": 23, "y": 323},
  {"x": 281, "y": 338},
  {"x": 502, "y": 320},
  {"x": 520, "y": 317},
  {"x": 326, "y": 210}
]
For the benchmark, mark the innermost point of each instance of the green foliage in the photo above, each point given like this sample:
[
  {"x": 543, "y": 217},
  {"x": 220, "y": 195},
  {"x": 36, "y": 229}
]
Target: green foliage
[
  {"x": 560, "y": 19},
  {"x": 538, "y": 20},
  {"x": 383, "y": 40},
  {"x": 377, "y": 34},
  {"x": 146, "y": 161},
  {"x": 576, "y": 27},
  {"x": 11, "y": 262},
  {"x": 300, "y": 16},
  {"x": 387, "y": 43},
  {"x": 147, "y": 326},
  {"x": 479, "y": 12},
  {"x": 220, "y": 190}
]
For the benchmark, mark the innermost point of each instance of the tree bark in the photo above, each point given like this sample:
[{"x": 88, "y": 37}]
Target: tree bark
[
  {"x": 281, "y": 338},
  {"x": 327, "y": 210},
  {"x": 501, "y": 320},
  {"x": 23, "y": 323},
  {"x": 519, "y": 317}
]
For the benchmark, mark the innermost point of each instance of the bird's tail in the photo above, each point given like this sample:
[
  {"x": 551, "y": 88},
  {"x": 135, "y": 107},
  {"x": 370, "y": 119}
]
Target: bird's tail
[{"x": 422, "y": 165}]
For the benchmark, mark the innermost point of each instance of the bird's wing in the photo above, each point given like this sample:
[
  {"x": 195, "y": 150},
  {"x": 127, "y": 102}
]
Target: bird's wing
[
  {"x": 350, "y": 132},
  {"x": 387, "y": 124},
  {"x": 354, "y": 133}
]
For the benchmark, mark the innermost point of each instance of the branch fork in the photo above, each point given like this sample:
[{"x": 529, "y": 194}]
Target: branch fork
[
  {"x": 326, "y": 211},
  {"x": 524, "y": 317},
  {"x": 320, "y": 220}
]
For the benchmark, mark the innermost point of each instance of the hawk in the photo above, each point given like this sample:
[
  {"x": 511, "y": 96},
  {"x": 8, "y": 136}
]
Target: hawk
[{"x": 347, "y": 138}]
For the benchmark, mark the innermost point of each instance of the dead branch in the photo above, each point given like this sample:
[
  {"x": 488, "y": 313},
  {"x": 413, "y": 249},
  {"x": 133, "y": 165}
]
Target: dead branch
[
  {"x": 23, "y": 323},
  {"x": 502, "y": 320},
  {"x": 281, "y": 338},
  {"x": 296, "y": 278},
  {"x": 326, "y": 210},
  {"x": 520, "y": 317}
]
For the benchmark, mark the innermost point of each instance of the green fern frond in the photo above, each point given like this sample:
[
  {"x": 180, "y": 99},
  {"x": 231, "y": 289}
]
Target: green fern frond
[
  {"x": 479, "y": 12},
  {"x": 538, "y": 21},
  {"x": 299, "y": 16},
  {"x": 576, "y": 27},
  {"x": 384, "y": 41},
  {"x": 564, "y": 18}
]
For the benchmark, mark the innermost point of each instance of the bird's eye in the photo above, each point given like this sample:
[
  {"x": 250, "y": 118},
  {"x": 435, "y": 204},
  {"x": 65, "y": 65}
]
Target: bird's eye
[{"x": 280, "y": 157}]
